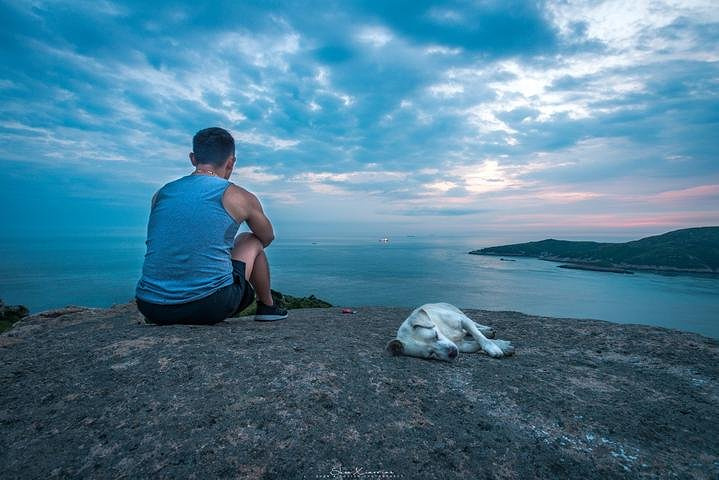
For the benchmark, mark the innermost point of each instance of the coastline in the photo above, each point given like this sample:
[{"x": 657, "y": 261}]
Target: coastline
[
  {"x": 693, "y": 250},
  {"x": 594, "y": 268},
  {"x": 659, "y": 270}
]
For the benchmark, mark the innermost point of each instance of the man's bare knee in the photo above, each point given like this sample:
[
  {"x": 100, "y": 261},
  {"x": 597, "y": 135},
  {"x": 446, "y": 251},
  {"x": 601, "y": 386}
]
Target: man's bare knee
[
  {"x": 247, "y": 247},
  {"x": 247, "y": 240},
  {"x": 246, "y": 236}
]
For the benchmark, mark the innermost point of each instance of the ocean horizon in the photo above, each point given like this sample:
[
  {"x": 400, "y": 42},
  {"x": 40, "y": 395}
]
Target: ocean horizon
[{"x": 98, "y": 270}]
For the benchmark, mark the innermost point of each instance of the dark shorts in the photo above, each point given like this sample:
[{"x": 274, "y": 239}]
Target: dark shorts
[{"x": 224, "y": 303}]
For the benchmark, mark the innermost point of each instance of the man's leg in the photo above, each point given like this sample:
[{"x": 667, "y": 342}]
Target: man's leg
[{"x": 249, "y": 250}]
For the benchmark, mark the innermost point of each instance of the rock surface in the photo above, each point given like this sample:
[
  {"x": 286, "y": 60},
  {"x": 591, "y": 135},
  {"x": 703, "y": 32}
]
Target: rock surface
[{"x": 96, "y": 393}]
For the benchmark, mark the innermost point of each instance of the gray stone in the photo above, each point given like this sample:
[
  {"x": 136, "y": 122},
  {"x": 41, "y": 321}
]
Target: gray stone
[{"x": 96, "y": 393}]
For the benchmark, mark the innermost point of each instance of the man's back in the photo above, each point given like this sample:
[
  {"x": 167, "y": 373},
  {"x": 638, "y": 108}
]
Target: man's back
[
  {"x": 197, "y": 269},
  {"x": 189, "y": 239}
]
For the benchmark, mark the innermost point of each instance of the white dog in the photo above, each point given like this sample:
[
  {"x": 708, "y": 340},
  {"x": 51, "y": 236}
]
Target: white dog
[{"x": 441, "y": 330}]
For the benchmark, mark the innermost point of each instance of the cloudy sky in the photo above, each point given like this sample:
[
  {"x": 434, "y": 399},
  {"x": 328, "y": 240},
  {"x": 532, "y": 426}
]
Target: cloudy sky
[{"x": 507, "y": 119}]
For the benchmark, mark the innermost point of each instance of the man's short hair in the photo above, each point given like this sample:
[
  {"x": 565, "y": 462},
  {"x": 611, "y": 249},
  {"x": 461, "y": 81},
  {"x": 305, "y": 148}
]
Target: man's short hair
[{"x": 213, "y": 145}]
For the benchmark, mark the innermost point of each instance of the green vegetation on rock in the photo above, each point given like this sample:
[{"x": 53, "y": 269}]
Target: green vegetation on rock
[
  {"x": 9, "y": 314},
  {"x": 687, "y": 250},
  {"x": 289, "y": 302}
]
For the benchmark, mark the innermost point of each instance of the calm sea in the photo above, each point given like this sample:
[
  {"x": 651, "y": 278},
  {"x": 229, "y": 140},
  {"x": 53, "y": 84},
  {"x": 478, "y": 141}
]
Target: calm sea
[{"x": 99, "y": 270}]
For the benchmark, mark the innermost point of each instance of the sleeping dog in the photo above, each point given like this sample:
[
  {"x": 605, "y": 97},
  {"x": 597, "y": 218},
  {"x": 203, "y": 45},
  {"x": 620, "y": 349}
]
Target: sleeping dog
[{"x": 441, "y": 331}]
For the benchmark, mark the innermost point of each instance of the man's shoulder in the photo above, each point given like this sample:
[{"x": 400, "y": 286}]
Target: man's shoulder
[
  {"x": 238, "y": 201},
  {"x": 163, "y": 189},
  {"x": 237, "y": 193},
  {"x": 180, "y": 180},
  {"x": 176, "y": 183}
]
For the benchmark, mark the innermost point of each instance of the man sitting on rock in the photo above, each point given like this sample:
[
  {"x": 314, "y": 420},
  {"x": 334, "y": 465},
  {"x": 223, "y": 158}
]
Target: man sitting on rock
[{"x": 196, "y": 270}]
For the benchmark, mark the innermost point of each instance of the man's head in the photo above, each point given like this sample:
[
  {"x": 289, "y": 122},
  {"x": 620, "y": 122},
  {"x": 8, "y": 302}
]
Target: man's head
[{"x": 213, "y": 146}]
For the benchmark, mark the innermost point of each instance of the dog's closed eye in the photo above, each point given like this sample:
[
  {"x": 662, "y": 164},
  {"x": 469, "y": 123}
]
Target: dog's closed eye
[{"x": 417, "y": 325}]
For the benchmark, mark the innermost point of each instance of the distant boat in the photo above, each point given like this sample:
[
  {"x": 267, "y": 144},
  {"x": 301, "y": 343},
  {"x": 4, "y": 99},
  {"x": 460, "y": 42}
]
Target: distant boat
[
  {"x": 507, "y": 260},
  {"x": 384, "y": 240}
]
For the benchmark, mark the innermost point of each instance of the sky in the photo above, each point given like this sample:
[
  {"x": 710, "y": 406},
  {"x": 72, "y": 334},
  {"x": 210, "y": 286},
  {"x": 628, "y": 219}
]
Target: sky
[{"x": 490, "y": 119}]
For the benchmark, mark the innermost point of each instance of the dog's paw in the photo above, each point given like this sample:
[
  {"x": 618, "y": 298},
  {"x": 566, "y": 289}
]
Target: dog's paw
[
  {"x": 506, "y": 347},
  {"x": 492, "y": 350}
]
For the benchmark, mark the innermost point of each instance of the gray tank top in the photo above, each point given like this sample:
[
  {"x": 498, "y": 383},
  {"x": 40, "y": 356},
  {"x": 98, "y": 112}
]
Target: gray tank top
[{"x": 189, "y": 239}]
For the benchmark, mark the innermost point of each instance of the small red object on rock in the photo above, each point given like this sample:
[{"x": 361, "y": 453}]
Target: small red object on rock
[{"x": 348, "y": 310}]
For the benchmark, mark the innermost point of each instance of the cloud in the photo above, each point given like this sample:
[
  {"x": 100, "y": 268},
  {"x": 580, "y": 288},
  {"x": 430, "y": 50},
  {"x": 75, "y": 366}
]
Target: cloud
[
  {"x": 492, "y": 108},
  {"x": 493, "y": 28},
  {"x": 446, "y": 89},
  {"x": 265, "y": 140},
  {"x": 254, "y": 174},
  {"x": 375, "y": 36},
  {"x": 436, "y": 211},
  {"x": 691, "y": 193}
]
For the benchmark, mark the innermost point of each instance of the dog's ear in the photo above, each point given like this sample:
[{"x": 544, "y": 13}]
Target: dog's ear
[
  {"x": 421, "y": 319},
  {"x": 395, "y": 347}
]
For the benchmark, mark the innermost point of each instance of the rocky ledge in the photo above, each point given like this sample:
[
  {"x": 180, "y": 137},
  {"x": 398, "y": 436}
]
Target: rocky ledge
[{"x": 96, "y": 393}]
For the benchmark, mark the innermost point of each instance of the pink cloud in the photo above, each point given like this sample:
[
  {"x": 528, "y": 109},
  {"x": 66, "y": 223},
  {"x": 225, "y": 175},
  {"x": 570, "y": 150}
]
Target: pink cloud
[
  {"x": 688, "y": 193},
  {"x": 668, "y": 221}
]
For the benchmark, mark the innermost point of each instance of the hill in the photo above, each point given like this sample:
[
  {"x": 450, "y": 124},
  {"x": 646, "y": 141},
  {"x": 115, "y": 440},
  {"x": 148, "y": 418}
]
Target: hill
[
  {"x": 96, "y": 393},
  {"x": 688, "y": 250}
]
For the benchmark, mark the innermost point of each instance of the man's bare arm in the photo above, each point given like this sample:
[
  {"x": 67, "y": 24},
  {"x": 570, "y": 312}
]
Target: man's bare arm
[
  {"x": 244, "y": 206},
  {"x": 258, "y": 221}
]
